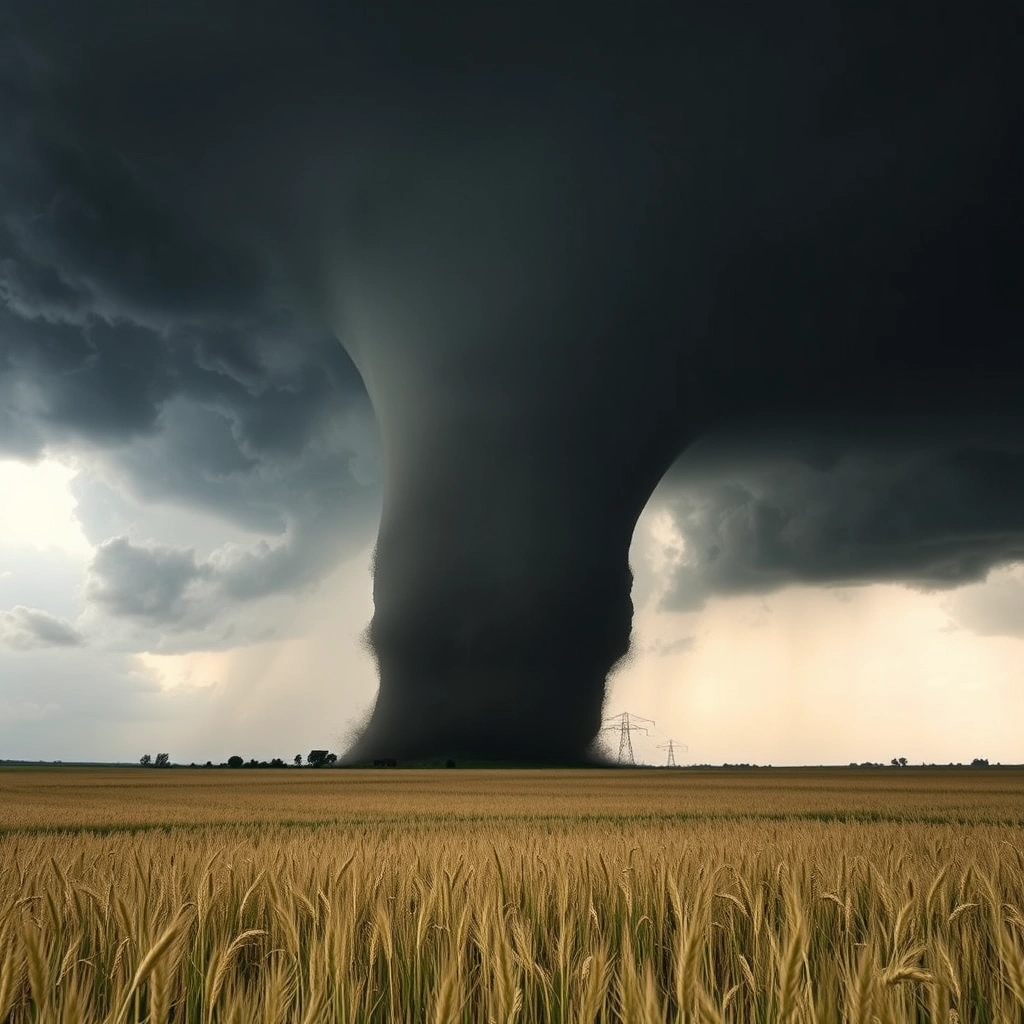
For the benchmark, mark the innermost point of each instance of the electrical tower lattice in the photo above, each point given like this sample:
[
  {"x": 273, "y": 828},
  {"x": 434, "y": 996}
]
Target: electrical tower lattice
[
  {"x": 670, "y": 761},
  {"x": 625, "y": 725}
]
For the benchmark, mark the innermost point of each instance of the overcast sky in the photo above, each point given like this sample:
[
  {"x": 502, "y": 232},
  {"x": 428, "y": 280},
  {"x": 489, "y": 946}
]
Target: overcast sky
[{"x": 275, "y": 276}]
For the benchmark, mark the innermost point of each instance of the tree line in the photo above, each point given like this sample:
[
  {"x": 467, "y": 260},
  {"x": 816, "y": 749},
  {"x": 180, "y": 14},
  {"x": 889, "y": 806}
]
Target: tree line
[{"x": 315, "y": 759}]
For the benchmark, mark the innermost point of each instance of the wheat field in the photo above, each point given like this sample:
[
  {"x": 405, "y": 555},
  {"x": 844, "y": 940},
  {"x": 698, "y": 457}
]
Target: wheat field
[{"x": 307, "y": 896}]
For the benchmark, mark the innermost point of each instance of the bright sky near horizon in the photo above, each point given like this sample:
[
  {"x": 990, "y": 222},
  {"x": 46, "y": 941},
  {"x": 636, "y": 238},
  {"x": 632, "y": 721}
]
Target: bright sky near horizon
[{"x": 803, "y": 675}]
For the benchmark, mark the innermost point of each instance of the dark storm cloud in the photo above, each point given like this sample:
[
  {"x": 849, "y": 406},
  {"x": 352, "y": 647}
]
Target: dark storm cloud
[
  {"x": 25, "y": 629},
  {"x": 85, "y": 231},
  {"x": 561, "y": 245},
  {"x": 936, "y": 520},
  {"x": 268, "y": 431},
  {"x": 106, "y": 250},
  {"x": 139, "y": 323},
  {"x": 109, "y": 383},
  {"x": 290, "y": 445}
]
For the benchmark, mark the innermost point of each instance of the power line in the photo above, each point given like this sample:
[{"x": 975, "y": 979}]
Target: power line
[
  {"x": 625, "y": 724},
  {"x": 670, "y": 761}
]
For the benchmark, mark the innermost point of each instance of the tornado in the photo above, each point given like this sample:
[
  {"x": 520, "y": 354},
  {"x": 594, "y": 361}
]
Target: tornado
[
  {"x": 553, "y": 281},
  {"x": 528, "y": 403},
  {"x": 501, "y": 578},
  {"x": 501, "y": 585}
]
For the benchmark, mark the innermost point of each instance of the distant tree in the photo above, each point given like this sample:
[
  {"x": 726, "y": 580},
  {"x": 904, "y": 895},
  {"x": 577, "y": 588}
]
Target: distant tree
[
  {"x": 317, "y": 758},
  {"x": 899, "y": 762},
  {"x": 276, "y": 763},
  {"x": 298, "y": 760},
  {"x": 145, "y": 760},
  {"x": 903, "y": 762},
  {"x": 163, "y": 760},
  {"x": 980, "y": 762},
  {"x": 331, "y": 758},
  {"x": 234, "y": 761}
]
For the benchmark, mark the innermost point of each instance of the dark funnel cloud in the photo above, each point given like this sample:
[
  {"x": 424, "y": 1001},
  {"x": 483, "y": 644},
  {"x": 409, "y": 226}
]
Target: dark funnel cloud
[{"x": 562, "y": 244}]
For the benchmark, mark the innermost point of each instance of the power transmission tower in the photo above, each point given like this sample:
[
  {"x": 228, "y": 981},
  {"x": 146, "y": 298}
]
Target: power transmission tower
[
  {"x": 626, "y": 725},
  {"x": 671, "y": 748}
]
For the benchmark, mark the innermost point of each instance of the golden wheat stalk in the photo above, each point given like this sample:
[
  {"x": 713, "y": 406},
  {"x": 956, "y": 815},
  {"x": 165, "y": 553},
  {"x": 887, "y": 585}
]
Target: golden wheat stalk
[{"x": 149, "y": 961}]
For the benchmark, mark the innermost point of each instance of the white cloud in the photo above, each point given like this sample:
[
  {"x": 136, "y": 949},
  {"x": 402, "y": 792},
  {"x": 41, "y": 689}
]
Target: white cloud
[{"x": 24, "y": 629}]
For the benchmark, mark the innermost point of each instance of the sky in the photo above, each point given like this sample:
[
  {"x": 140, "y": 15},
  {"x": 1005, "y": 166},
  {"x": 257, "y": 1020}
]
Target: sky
[
  {"x": 804, "y": 675},
  {"x": 385, "y": 381}
]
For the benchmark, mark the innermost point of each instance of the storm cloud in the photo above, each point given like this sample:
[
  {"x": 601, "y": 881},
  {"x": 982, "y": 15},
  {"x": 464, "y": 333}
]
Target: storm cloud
[
  {"x": 269, "y": 434},
  {"x": 935, "y": 520},
  {"x": 561, "y": 247}
]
